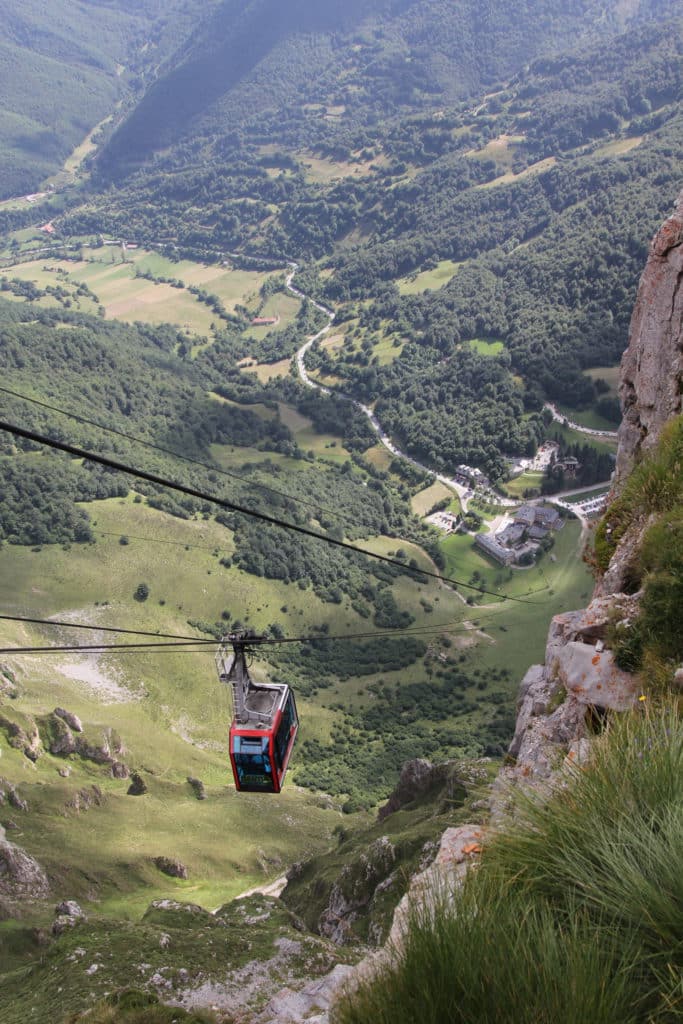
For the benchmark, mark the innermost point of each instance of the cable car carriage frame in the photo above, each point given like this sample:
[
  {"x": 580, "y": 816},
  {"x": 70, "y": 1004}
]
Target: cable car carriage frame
[{"x": 264, "y": 720}]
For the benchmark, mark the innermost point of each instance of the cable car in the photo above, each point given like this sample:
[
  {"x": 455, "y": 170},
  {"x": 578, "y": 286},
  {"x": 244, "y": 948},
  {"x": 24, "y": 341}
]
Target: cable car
[{"x": 264, "y": 724}]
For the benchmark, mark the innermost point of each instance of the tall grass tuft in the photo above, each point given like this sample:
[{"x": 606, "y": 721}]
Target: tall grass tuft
[{"x": 574, "y": 915}]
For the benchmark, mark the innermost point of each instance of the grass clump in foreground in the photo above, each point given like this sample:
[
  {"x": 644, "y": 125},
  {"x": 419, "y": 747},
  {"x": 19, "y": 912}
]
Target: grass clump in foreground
[{"x": 574, "y": 914}]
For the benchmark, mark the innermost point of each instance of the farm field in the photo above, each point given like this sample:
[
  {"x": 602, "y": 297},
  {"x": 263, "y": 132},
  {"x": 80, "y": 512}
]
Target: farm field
[
  {"x": 429, "y": 279},
  {"x": 422, "y": 502},
  {"x": 587, "y": 418},
  {"x": 113, "y": 280}
]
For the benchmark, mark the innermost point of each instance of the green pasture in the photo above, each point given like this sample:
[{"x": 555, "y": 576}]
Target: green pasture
[
  {"x": 501, "y": 149},
  {"x": 379, "y": 457},
  {"x": 259, "y": 409},
  {"x": 425, "y": 499},
  {"x": 549, "y": 588},
  {"x": 282, "y": 307},
  {"x": 587, "y": 418},
  {"x": 323, "y": 170},
  {"x": 509, "y": 176},
  {"x": 463, "y": 560},
  {"x": 387, "y": 350},
  {"x": 269, "y": 371},
  {"x": 429, "y": 279},
  {"x": 328, "y": 447},
  {"x": 571, "y": 436},
  {"x": 486, "y": 347},
  {"x": 530, "y": 479},
  {"x": 618, "y": 147},
  {"x": 610, "y": 374},
  {"x": 168, "y": 709}
]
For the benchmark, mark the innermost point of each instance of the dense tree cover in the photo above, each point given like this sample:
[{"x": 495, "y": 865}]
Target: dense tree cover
[
  {"x": 128, "y": 379},
  {"x": 38, "y": 495},
  {"x": 320, "y": 662},
  {"x": 367, "y": 750},
  {"x": 594, "y": 466},
  {"x": 63, "y": 68},
  {"x": 366, "y": 59}
]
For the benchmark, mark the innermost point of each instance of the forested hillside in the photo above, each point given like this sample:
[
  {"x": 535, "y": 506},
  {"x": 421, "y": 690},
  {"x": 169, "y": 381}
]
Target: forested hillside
[
  {"x": 512, "y": 210},
  {"x": 367, "y": 60},
  {"x": 64, "y": 67}
]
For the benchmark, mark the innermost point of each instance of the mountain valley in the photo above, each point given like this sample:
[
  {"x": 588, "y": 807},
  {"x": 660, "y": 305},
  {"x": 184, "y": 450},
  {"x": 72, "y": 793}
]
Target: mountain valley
[{"x": 455, "y": 204}]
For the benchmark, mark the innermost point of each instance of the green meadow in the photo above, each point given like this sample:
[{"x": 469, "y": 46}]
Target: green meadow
[
  {"x": 111, "y": 275},
  {"x": 429, "y": 279}
]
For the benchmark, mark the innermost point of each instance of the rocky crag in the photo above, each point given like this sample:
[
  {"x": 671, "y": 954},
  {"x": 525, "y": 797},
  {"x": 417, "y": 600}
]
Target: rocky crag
[{"x": 564, "y": 700}]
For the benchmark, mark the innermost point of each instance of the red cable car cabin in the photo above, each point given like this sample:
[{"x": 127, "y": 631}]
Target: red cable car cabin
[{"x": 264, "y": 725}]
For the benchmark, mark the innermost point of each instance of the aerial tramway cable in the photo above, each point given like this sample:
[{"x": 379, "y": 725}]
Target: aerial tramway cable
[
  {"x": 182, "y": 644},
  {"x": 103, "y": 460},
  {"x": 177, "y": 455}
]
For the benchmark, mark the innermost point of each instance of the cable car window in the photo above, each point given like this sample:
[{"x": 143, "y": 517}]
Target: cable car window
[
  {"x": 252, "y": 762},
  {"x": 284, "y": 731}
]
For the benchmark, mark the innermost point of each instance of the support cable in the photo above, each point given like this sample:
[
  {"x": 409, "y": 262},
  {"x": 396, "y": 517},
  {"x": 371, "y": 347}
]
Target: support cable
[{"x": 102, "y": 460}]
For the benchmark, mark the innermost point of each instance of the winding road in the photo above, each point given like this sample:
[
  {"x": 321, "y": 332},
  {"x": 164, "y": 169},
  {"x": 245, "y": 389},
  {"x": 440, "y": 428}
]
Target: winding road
[
  {"x": 610, "y": 435},
  {"x": 383, "y": 438}
]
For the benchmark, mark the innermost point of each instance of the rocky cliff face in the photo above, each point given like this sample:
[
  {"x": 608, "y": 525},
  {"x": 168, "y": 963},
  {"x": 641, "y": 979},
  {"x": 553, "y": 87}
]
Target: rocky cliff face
[
  {"x": 579, "y": 684},
  {"x": 651, "y": 388}
]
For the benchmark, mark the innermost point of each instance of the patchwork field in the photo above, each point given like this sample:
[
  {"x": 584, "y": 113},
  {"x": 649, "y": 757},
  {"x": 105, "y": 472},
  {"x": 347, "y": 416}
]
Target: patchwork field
[{"x": 112, "y": 277}]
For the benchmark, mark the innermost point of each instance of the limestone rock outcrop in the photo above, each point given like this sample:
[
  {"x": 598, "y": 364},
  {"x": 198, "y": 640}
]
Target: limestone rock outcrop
[
  {"x": 21, "y": 876},
  {"x": 651, "y": 388},
  {"x": 67, "y": 915},
  {"x": 417, "y": 777}
]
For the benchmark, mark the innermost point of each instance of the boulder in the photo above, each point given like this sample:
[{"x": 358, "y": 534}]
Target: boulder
[
  {"x": 91, "y": 750},
  {"x": 8, "y": 683},
  {"x": 73, "y": 721},
  {"x": 198, "y": 787},
  {"x": 415, "y": 779},
  {"x": 593, "y": 677},
  {"x": 355, "y": 889},
  {"x": 16, "y": 801},
  {"x": 24, "y": 736},
  {"x": 138, "y": 786},
  {"x": 21, "y": 877},
  {"x": 119, "y": 770},
  {"x": 170, "y": 866},
  {"x": 84, "y": 799},
  {"x": 68, "y": 914},
  {"x": 60, "y": 739}
]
